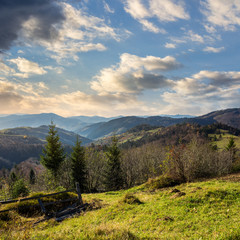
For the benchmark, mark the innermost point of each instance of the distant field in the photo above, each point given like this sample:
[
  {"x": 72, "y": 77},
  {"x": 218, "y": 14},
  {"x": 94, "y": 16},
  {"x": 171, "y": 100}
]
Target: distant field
[
  {"x": 223, "y": 139},
  {"x": 204, "y": 210}
]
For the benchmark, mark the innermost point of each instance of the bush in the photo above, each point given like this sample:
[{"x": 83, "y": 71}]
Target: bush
[
  {"x": 19, "y": 189},
  {"x": 162, "y": 182},
  {"x": 131, "y": 199}
]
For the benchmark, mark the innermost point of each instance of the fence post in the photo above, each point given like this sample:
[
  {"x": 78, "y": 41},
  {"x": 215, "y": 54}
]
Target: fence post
[
  {"x": 42, "y": 206},
  {"x": 79, "y": 193}
]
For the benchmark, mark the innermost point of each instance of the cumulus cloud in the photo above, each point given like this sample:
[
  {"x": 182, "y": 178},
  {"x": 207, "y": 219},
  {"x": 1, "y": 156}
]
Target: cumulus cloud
[
  {"x": 80, "y": 32},
  {"x": 164, "y": 11},
  {"x": 212, "y": 89},
  {"x": 213, "y": 49},
  {"x": 222, "y": 13},
  {"x": 27, "y": 67},
  {"x": 170, "y": 45},
  {"x": 134, "y": 74},
  {"x": 61, "y": 28},
  {"x": 47, "y": 14}
]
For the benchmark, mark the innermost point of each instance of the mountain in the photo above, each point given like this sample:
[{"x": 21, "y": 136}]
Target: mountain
[
  {"x": 229, "y": 117},
  {"x": 36, "y": 120},
  {"x": 121, "y": 125},
  {"x": 20, "y": 144},
  {"x": 66, "y": 137}
]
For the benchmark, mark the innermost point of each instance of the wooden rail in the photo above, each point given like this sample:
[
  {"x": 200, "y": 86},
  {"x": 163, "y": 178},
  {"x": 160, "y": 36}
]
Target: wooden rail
[{"x": 79, "y": 199}]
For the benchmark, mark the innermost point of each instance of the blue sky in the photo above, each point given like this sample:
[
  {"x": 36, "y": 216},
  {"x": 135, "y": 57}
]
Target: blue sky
[{"x": 119, "y": 57}]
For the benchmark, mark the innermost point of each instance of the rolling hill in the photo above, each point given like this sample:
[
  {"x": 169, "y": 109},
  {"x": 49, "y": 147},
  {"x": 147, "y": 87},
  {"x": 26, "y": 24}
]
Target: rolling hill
[
  {"x": 230, "y": 117},
  {"x": 20, "y": 144}
]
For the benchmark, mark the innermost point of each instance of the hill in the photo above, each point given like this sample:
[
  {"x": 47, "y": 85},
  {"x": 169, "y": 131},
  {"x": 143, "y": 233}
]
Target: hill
[
  {"x": 20, "y": 144},
  {"x": 201, "y": 210},
  {"x": 121, "y": 125},
  {"x": 230, "y": 117},
  {"x": 173, "y": 135}
]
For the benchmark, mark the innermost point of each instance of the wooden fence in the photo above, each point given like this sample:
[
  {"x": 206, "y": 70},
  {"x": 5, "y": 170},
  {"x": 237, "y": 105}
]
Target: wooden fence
[{"x": 70, "y": 210}]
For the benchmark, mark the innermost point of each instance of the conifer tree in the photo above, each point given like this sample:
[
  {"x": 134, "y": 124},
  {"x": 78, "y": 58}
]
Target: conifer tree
[
  {"x": 113, "y": 173},
  {"x": 53, "y": 152},
  {"x": 32, "y": 177},
  {"x": 231, "y": 148},
  {"x": 78, "y": 166}
]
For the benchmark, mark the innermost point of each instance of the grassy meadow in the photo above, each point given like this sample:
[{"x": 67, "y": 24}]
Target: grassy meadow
[{"x": 201, "y": 210}]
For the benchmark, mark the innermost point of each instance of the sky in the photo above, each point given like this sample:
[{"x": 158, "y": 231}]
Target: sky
[{"x": 119, "y": 57}]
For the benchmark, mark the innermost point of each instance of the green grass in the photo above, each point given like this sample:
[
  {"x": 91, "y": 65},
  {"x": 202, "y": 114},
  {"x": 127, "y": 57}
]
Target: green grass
[
  {"x": 223, "y": 142},
  {"x": 209, "y": 210}
]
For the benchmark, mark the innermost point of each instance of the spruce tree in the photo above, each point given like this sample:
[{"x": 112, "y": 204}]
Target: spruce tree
[
  {"x": 113, "y": 173},
  {"x": 32, "y": 177},
  {"x": 78, "y": 166},
  {"x": 53, "y": 152},
  {"x": 231, "y": 148}
]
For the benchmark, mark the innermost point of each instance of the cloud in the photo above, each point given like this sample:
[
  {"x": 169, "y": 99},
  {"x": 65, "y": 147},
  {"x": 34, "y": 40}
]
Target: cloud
[
  {"x": 79, "y": 32},
  {"x": 213, "y": 49},
  {"x": 213, "y": 89},
  {"x": 170, "y": 45},
  {"x": 27, "y": 67},
  {"x": 6, "y": 69},
  {"x": 222, "y": 79},
  {"x": 46, "y": 13},
  {"x": 164, "y": 11},
  {"x": 134, "y": 74},
  {"x": 107, "y": 8},
  {"x": 194, "y": 37},
  {"x": 222, "y": 13}
]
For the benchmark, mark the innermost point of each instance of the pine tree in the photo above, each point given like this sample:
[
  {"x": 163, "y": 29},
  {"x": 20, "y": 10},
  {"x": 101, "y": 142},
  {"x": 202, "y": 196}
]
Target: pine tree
[
  {"x": 113, "y": 174},
  {"x": 231, "y": 148},
  {"x": 53, "y": 152},
  {"x": 78, "y": 166},
  {"x": 32, "y": 177}
]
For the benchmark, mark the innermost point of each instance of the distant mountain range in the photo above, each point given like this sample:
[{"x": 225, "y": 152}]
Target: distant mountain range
[
  {"x": 98, "y": 127},
  {"x": 229, "y": 117}
]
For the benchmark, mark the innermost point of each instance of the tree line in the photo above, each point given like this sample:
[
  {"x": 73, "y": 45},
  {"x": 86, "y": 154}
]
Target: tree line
[{"x": 105, "y": 168}]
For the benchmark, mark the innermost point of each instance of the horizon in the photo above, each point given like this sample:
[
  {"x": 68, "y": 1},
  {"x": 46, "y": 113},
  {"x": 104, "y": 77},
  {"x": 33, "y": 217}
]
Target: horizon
[{"x": 109, "y": 58}]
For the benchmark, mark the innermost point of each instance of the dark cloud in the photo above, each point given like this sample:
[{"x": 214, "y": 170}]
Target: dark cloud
[{"x": 13, "y": 13}]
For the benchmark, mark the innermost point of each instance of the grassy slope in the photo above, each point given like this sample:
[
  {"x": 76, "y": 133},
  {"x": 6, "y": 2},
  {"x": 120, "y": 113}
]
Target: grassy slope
[
  {"x": 209, "y": 210},
  {"x": 223, "y": 142}
]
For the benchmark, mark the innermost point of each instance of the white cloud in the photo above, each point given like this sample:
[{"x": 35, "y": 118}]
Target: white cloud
[
  {"x": 164, "y": 11},
  {"x": 107, "y": 8},
  {"x": 168, "y": 10},
  {"x": 6, "y": 69},
  {"x": 214, "y": 90},
  {"x": 134, "y": 74},
  {"x": 194, "y": 37},
  {"x": 222, "y": 13},
  {"x": 148, "y": 26},
  {"x": 27, "y": 67},
  {"x": 79, "y": 32},
  {"x": 170, "y": 45},
  {"x": 213, "y": 49}
]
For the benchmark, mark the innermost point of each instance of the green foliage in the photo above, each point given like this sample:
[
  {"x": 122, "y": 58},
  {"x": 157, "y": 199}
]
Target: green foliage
[
  {"x": 231, "y": 145},
  {"x": 113, "y": 172},
  {"x": 130, "y": 198},
  {"x": 78, "y": 166},
  {"x": 53, "y": 152},
  {"x": 19, "y": 189},
  {"x": 32, "y": 177},
  {"x": 161, "y": 182}
]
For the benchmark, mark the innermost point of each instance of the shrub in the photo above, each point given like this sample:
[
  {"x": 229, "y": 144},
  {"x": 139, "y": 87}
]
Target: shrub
[
  {"x": 162, "y": 182},
  {"x": 19, "y": 189},
  {"x": 131, "y": 199}
]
